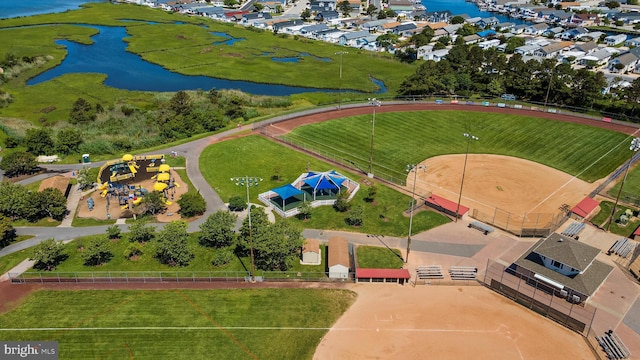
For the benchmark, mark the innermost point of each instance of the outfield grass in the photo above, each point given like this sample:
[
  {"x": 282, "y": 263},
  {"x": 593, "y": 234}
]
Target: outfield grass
[
  {"x": 631, "y": 185},
  {"x": 257, "y": 157},
  {"x": 179, "y": 324},
  {"x": 402, "y": 138},
  {"x": 378, "y": 257}
]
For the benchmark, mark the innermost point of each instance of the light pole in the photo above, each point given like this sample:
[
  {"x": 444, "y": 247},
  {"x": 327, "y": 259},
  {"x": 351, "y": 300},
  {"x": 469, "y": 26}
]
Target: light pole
[
  {"x": 414, "y": 168},
  {"x": 340, "y": 86},
  {"x": 635, "y": 146},
  {"x": 247, "y": 182},
  {"x": 464, "y": 169},
  {"x": 374, "y": 103}
]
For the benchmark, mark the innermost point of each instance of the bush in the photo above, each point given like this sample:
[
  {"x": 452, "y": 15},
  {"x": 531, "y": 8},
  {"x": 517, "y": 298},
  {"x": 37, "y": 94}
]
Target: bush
[
  {"x": 222, "y": 257},
  {"x": 113, "y": 232},
  {"x": 134, "y": 249},
  {"x": 192, "y": 204},
  {"x": 355, "y": 216},
  {"x": 237, "y": 203},
  {"x": 341, "y": 203},
  {"x": 11, "y": 142},
  {"x": 138, "y": 232}
]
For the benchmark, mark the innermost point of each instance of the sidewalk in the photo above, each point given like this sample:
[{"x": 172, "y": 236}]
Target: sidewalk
[{"x": 72, "y": 204}]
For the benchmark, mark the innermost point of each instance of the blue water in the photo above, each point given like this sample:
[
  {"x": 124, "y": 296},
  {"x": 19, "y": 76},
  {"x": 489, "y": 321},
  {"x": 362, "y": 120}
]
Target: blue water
[
  {"x": 15, "y": 8},
  {"x": 229, "y": 39},
  {"x": 459, "y": 7},
  {"x": 295, "y": 59},
  {"x": 124, "y": 70}
]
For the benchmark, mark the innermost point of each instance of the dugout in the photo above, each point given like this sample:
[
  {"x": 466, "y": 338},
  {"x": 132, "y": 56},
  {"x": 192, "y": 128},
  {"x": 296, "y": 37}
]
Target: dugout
[{"x": 398, "y": 276}]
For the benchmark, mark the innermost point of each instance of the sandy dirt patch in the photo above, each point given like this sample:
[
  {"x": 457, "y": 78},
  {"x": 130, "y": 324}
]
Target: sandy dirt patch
[
  {"x": 115, "y": 211},
  {"x": 515, "y": 185},
  {"x": 444, "y": 322}
]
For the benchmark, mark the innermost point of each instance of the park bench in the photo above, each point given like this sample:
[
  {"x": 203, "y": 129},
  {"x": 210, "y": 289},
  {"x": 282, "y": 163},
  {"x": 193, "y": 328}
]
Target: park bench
[{"x": 486, "y": 229}]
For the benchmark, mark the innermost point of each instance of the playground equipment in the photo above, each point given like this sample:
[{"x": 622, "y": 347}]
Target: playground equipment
[{"x": 114, "y": 175}]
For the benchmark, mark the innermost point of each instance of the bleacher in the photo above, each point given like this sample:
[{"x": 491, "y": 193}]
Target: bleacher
[
  {"x": 622, "y": 247},
  {"x": 480, "y": 226},
  {"x": 429, "y": 272},
  {"x": 613, "y": 346},
  {"x": 463, "y": 272},
  {"x": 573, "y": 230}
]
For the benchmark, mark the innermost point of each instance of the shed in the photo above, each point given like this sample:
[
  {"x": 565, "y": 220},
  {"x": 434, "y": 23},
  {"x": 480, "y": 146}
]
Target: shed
[
  {"x": 585, "y": 208},
  {"x": 339, "y": 258},
  {"x": 399, "y": 276},
  {"x": 311, "y": 252}
]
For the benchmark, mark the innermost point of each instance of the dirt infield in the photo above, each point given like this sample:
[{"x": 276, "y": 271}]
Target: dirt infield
[{"x": 444, "y": 322}]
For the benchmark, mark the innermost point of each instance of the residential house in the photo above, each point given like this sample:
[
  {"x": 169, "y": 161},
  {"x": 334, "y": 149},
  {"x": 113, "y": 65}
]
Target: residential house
[
  {"x": 486, "y": 33},
  {"x": 536, "y": 29},
  {"x": 352, "y": 38},
  {"x": 563, "y": 266},
  {"x": 584, "y": 19},
  {"x": 553, "y": 32},
  {"x": 330, "y": 35},
  {"x": 375, "y": 25},
  {"x": 251, "y": 18},
  {"x": 471, "y": 39},
  {"x": 451, "y": 29},
  {"x": 596, "y": 58},
  {"x": 490, "y": 21},
  {"x": 505, "y": 26},
  {"x": 271, "y": 6},
  {"x": 527, "y": 50},
  {"x": 489, "y": 44},
  {"x": 519, "y": 29},
  {"x": 356, "y": 6},
  {"x": 322, "y": 5},
  {"x": 404, "y": 29},
  {"x": 473, "y": 21},
  {"x": 368, "y": 43},
  {"x": 437, "y": 16},
  {"x": 632, "y": 42},
  {"x": 436, "y": 55},
  {"x": 284, "y": 26},
  {"x": 587, "y": 48},
  {"x": 623, "y": 63},
  {"x": 326, "y": 16},
  {"x": 593, "y": 35},
  {"x": 574, "y": 34},
  {"x": 628, "y": 18},
  {"x": 552, "y": 50},
  {"x": 613, "y": 40},
  {"x": 311, "y": 31},
  {"x": 401, "y": 6}
]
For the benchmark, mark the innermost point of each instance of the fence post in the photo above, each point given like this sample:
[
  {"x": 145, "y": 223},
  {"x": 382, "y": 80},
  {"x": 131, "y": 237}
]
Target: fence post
[
  {"x": 524, "y": 218},
  {"x": 508, "y": 217},
  {"x": 495, "y": 213},
  {"x": 501, "y": 278},
  {"x": 486, "y": 270},
  {"x": 533, "y": 298}
]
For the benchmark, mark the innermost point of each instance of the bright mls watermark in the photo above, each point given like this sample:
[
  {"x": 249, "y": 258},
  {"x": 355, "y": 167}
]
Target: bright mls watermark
[{"x": 39, "y": 350}]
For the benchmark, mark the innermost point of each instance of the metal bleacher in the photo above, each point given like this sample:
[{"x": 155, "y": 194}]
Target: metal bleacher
[
  {"x": 486, "y": 229},
  {"x": 573, "y": 230},
  {"x": 613, "y": 346},
  {"x": 429, "y": 272},
  {"x": 622, "y": 247},
  {"x": 463, "y": 272}
]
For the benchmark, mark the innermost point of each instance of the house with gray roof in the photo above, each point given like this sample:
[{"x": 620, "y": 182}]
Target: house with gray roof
[
  {"x": 536, "y": 29},
  {"x": 312, "y": 31},
  {"x": 504, "y": 26},
  {"x": 597, "y": 58},
  {"x": 375, "y": 25},
  {"x": 563, "y": 266},
  {"x": 623, "y": 63},
  {"x": 587, "y": 48},
  {"x": 404, "y": 29},
  {"x": 351, "y": 38},
  {"x": 613, "y": 40}
]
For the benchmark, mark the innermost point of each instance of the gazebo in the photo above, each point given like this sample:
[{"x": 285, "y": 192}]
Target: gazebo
[
  {"x": 287, "y": 195},
  {"x": 322, "y": 183}
]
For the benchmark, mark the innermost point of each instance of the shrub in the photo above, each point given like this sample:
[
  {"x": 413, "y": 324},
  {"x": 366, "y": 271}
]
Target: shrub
[
  {"x": 113, "y": 232},
  {"x": 222, "y": 257},
  {"x": 355, "y": 216},
  {"x": 11, "y": 142},
  {"x": 341, "y": 203},
  {"x": 134, "y": 249},
  {"x": 192, "y": 204},
  {"x": 237, "y": 203}
]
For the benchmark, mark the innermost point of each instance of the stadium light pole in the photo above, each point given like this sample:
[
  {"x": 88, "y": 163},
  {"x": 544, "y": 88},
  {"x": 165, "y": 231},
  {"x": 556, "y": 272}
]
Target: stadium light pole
[
  {"x": 340, "y": 86},
  {"x": 464, "y": 169},
  {"x": 374, "y": 103},
  {"x": 412, "y": 168},
  {"x": 635, "y": 146},
  {"x": 248, "y": 182}
]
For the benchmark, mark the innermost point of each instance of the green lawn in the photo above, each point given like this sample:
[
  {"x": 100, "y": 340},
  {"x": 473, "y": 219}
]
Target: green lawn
[
  {"x": 601, "y": 219},
  {"x": 410, "y": 137},
  {"x": 378, "y": 257},
  {"x": 258, "y": 157},
  {"x": 631, "y": 189},
  {"x": 179, "y": 324},
  {"x": 8, "y": 262}
]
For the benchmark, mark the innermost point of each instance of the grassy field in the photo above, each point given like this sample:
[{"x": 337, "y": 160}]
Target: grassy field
[
  {"x": 179, "y": 324},
  {"x": 631, "y": 187},
  {"x": 186, "y": 47},
  {"x": 8, "y": 262},
  {"x": 410, "y": 137},
  {"x": 378, "y": 257},
  {"x": 256, "y": 156}
]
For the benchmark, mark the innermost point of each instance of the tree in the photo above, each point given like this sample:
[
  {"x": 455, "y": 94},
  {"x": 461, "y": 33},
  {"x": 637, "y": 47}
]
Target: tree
[
  {"x": 277, "y": 246},
  {"x": 305, "y": 210},
  {"x": 237, "y": 203},
  {"x": 214, "y": 96},
  {"x": 133, "y": 249},
  {"x": 259, "y": 221},
  {"x": 48, "y": 254},
  {"x": 153, "y": 203},
  {"x": 258, "y": 7},
  {"x": 81, "y": 112},
  {"x": 612, "y": 4},
  {"x": 457, "y": 20},
  {"x": 38, "y": 141},
  {"x": 113, "y": 232},
  {"x": 466, "y": 29},
  {"x": 355, "y": 216},
  {"x": 96, "y": 251},
  {"x": 217, "y": 231},
  {"x": 305, "y": 14},
  {"x": 68, "y": 140},
  {"x": 370, "y": 10},
  {"x": 7, "y": 232},
  {"x": 47, "y": 203},
  {"x": 387, "y": 40},
  {"x": 139, "y": 232},
  {"x": 192, "y": 204},
  {"x": 84, "y": 179},
  {"x": 371, "y": 193},
  {"x": 180, "y": 103},
  {"x": 18, "y": 163},
  {"x": 386, "y": 13},
  {"x": 172, "y": 247},
  {"x": 345, "y": 8},
  {"x": 422, "y": 38},
  {"x": 342, "y": 204}
]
